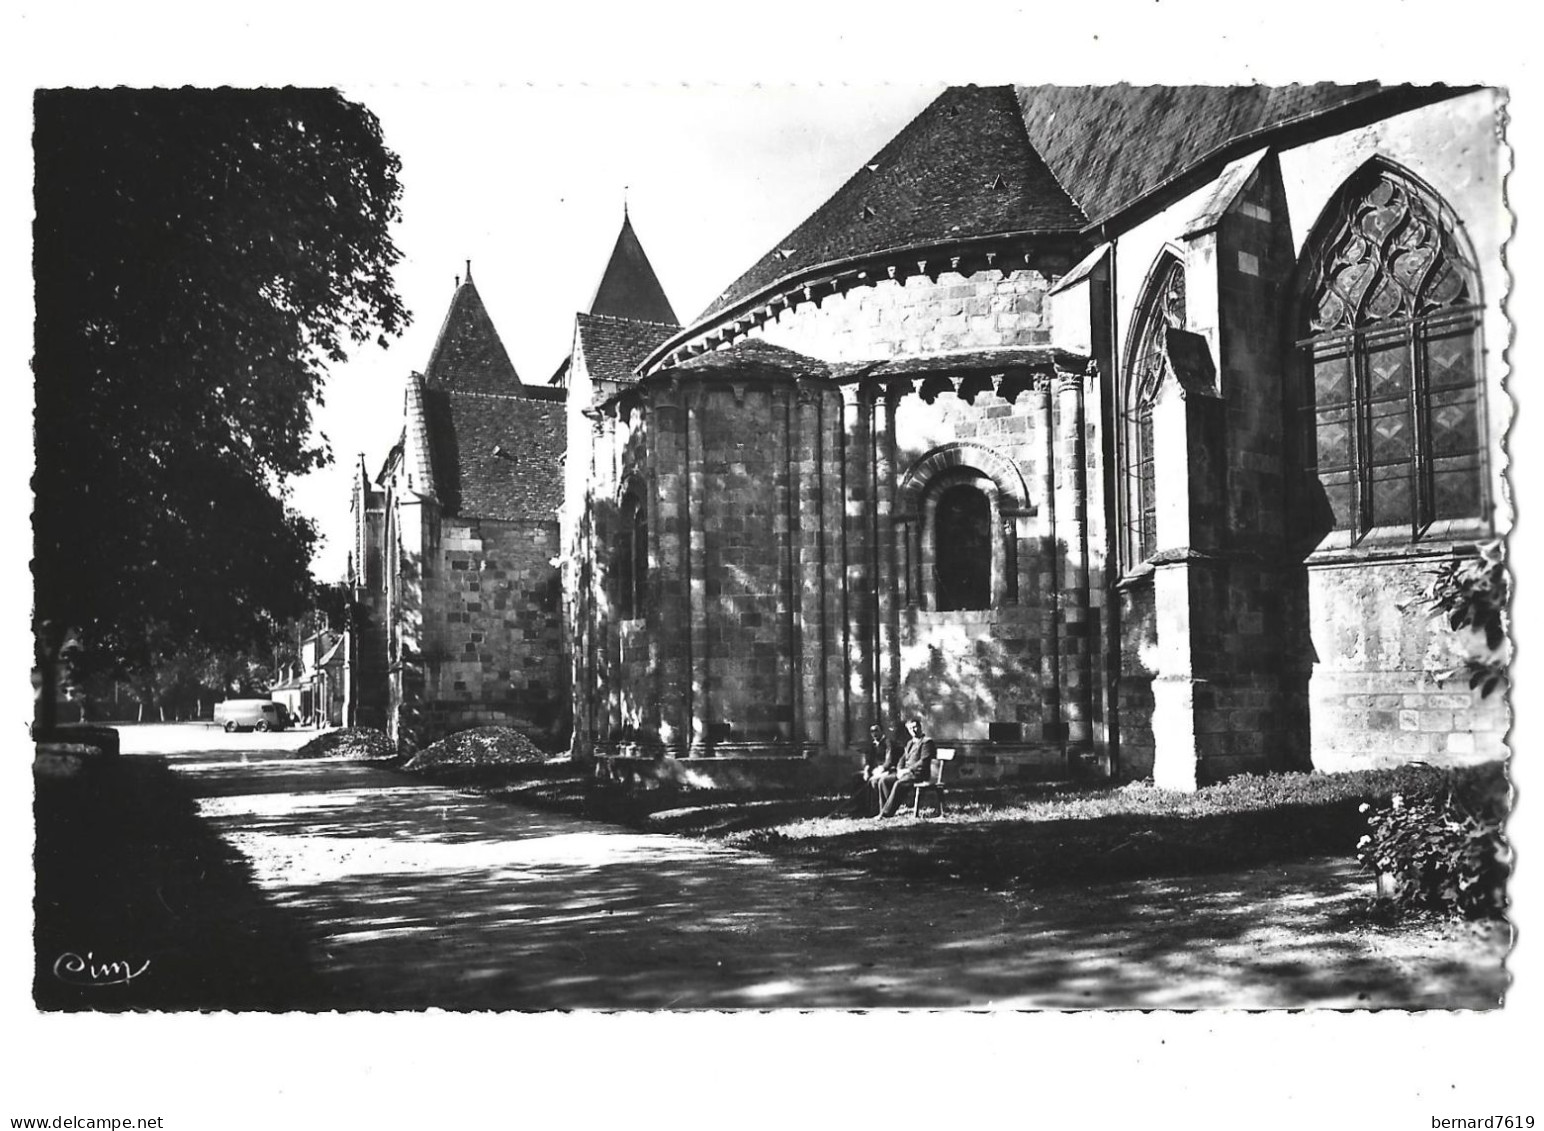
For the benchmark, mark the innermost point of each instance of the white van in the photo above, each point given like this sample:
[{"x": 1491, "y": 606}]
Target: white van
[{"x": 251, "y": 714}]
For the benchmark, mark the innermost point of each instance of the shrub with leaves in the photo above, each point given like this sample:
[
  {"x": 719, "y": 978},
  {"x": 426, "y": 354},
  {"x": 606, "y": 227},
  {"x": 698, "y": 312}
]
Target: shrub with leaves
[
  {"x": 1437, "y": 850},
  {"x": 1471, "y": 593}
]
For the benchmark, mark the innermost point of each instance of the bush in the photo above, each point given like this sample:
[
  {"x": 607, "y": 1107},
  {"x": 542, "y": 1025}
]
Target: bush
[
  {"x": 1472, "y": 593},
  {"x": 1440, "y": 849}
]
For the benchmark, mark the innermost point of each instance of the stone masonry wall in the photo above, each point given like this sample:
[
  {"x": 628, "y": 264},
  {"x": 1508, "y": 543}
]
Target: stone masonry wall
[
  {"x": 747, "y": 568},
  {"x": 963, "y": 671},
  {"x": 918, "y": 316},
  {"x": 492, "y": 637},
  {"x": 1376, "y": 699}
]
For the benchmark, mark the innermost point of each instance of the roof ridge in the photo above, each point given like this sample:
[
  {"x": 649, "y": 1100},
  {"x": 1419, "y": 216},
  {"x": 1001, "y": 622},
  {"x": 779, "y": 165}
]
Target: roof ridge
[
  {"x": 521, "y": 396},
  {"x": 1018, "y": 98},
  {"x": 621, "y": 318}
]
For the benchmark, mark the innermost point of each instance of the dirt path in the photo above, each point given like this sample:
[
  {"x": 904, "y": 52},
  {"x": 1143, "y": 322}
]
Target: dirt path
[{"x": 413, "y": 896}]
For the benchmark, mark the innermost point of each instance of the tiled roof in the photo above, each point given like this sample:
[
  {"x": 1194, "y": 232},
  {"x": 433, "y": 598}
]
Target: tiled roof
[
  {"x": 963, "y": 167},
  {"x": 959, "y": 362},
  {"x": 752, "y": 354},
  {"x": 468, "y": 354},
  {"x": 1108, "y": 145},
  {"x": 614, "y": 347},
  {"x": 527, "y": 429},
  {"x": 628, "y": 287}
]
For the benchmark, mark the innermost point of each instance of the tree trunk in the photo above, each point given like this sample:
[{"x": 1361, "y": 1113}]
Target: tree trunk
[{"x": 47, "y": 644}]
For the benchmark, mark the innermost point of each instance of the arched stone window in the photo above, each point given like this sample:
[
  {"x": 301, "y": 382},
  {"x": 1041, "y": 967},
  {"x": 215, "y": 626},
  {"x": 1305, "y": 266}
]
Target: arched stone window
[
  {"x": 962, "y": 560},
  {"x": 1389, "y": 413},
  {"x": 960, "y": 505},
  {"x": 631, "y": 559},
  {"x": 1162, "y": 309}
]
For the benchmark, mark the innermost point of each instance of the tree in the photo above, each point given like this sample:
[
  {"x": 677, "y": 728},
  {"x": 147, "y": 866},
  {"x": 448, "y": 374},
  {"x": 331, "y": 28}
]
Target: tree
[{"x": 200, "y": 257}]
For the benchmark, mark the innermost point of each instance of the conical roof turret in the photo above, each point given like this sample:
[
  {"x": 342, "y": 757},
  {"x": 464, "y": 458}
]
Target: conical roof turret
[
  {"x": 629, "y": 288},
  {"x": 469, "y": 356}
]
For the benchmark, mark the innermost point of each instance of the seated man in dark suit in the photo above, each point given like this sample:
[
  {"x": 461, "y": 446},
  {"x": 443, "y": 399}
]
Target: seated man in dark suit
[
  {"x": 916, "y": 765},
  {"x": 882, "y": 756}
]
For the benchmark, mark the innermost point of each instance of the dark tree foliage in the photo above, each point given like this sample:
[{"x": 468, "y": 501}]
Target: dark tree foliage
[{"x": 200, "y": 257}]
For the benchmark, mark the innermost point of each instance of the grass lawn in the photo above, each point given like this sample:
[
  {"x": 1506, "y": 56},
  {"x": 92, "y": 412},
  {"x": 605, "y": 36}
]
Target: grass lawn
[{"x": 1008, "y": 836}]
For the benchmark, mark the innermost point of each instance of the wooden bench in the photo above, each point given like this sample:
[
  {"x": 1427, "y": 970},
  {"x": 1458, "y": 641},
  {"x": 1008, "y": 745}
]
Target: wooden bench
[{"x": 934, "y": 786}]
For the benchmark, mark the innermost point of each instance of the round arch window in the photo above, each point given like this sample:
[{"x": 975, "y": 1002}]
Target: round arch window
[{"x": 963, "y": 527}]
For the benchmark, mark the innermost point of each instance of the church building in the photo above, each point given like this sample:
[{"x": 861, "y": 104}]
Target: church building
[
  {"x": 1113, "y": 431},
  {"x": 458, "y": 607}
]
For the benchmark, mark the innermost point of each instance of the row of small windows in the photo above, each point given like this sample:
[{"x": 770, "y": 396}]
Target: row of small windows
[{"x": 1385, "y": 376}]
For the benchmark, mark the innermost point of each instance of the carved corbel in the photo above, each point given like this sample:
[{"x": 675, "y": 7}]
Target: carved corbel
[
  {"x": 972, "y": 386},
  {"x": 1017, "y": 381},
  {"x": 933, "y": 387}
]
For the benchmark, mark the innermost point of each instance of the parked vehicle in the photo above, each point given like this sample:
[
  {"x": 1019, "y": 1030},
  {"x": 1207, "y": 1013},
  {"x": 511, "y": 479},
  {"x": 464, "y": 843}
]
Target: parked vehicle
[{"x": 251, "y": 714}]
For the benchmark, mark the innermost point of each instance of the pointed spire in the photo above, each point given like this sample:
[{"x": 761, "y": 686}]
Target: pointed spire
[
  {"x": 628, "y": 287},
  {"x": 469, "y": 355}
]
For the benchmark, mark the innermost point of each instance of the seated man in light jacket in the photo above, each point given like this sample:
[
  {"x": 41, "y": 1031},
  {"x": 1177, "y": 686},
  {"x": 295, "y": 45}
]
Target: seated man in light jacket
[{"x": 916, "y": 765}]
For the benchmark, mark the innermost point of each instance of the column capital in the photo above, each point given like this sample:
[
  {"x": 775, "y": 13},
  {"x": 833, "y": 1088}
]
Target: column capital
[{"x": 855, "y": 395}]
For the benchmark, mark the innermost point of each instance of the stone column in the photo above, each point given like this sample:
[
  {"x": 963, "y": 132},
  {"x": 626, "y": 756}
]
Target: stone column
[
  {"x": 857, "y": 560},
  {"x": 694, "y": 404},
  {"x": 670, "y": 632},
  {"x": 787, "y": 678},
  {"x": 607, "y": 640},
  {"x": 888, "y": 667},
  {"x": 1047, "y": 592},
  {"x": 833, "y": 547},
  {"x": 1072, "y": 536},
  {"x": 806, "y": 455}
]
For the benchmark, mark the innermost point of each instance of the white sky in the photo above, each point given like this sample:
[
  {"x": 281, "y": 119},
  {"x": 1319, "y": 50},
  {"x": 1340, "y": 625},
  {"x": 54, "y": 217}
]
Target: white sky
[{"x": 528, "y": 181}]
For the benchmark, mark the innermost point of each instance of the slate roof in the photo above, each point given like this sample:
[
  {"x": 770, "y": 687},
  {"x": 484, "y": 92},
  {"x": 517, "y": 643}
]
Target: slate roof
[
  {"x": 468, "y": 354},
  {"x": 628, "y": 287},
  {"x": 469, "y": 403},
  {"x": 1036, "y": 159},
  {"x": 528, "y": 429},
  {"x": 959, "y": 362},
  {"x": 750, "y": 355},
  {"x": 1108, "y": 145},
  {"x": 614, "y": 347},
  {"x": 963, "y": 167}
]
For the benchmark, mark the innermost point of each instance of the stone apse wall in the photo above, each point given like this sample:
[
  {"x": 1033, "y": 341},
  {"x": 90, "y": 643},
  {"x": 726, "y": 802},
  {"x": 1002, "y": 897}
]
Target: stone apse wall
[{"x": 790, "y": 572}]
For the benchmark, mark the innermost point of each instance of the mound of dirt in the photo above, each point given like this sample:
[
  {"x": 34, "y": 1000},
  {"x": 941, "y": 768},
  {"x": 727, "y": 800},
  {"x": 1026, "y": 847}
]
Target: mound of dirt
[
  {"x": 480, "y": 746},
  {"x": 356, "y": 743}
]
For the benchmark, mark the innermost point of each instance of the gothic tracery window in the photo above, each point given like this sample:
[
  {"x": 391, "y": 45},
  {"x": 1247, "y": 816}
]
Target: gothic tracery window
[
  {"x": 1163, "y": 309},
  {"x": 1389, "y": 406}
]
